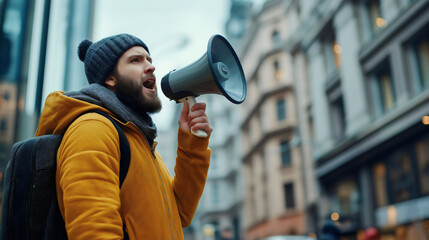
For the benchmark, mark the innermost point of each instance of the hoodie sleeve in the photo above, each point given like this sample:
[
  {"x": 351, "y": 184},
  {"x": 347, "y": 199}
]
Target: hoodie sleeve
[
  {"x": 87, "y": 179},
  {"x": 192, "y": 164}
]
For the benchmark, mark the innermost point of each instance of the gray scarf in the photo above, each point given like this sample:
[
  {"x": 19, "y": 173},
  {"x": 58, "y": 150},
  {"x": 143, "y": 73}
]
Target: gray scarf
[{"x": 103, "y": 97}]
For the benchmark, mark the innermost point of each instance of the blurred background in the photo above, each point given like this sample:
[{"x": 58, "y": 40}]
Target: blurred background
[{"x": 331, "y": 128}]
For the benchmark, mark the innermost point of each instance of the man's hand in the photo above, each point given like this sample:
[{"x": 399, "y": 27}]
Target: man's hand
[{"x": 195, "y": 119}]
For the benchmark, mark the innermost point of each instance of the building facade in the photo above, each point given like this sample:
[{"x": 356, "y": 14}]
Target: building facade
[
  {"x": 368, "y": 69},
  {"x": 38, "y": 42},
  {"x": 357, "y": 72},
  {"x": 367, "y": 65},
  {"x": 275, "y": 200},
  {"x": 220, "y": 209}
]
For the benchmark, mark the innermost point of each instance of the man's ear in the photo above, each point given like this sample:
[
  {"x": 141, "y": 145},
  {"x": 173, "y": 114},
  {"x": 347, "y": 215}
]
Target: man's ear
[{"x": 111, "y": 82}]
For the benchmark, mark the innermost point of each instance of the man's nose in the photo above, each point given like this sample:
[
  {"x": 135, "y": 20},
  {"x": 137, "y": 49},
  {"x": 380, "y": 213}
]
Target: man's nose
[{"x": 149, "y": 68}]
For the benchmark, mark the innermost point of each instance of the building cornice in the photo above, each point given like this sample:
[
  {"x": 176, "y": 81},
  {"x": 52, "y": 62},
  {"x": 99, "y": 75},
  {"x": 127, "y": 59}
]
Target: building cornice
[
  {"x": 262, "y": 99},
  {"x": 262, "y": 60},
  {"x": 315, "y": 24},
  {"x": 382, "y": 131},
  {"x": 265, "y": 137}
]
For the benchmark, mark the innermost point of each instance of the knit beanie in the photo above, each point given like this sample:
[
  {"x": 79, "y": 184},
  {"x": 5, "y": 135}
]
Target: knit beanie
[{"x": 100, "y": 58}]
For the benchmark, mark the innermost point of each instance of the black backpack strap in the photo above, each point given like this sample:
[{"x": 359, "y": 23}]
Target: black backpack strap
[{"x": 124, "y": 162}]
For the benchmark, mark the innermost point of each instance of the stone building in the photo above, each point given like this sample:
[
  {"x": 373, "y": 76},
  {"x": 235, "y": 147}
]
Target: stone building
[
  {"x": 273, "y": 157},
  {"x": 368, "y": 65},
  {"x": 357, "y": 72}
]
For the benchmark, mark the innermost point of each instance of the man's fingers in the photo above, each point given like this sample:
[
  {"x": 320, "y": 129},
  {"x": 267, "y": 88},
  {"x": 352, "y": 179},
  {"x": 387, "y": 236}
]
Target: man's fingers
[
  {"x": 195, "y": 119},
  {"x": 199, "y": 119},
  {"x": 199, "y": 106},
  {"x": 185, "y": 112},
  {"x": 197, "y": 113},
  {"x": 184, "y": 117},
  {"x": 203, "y": 126}
]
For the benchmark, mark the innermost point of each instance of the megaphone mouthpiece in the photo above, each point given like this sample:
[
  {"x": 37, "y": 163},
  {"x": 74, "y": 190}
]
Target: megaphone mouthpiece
[{"x": 168, "y": 92}]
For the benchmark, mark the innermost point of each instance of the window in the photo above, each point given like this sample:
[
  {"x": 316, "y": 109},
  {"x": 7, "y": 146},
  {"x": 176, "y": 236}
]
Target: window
[
  {"x": 400, "y": 177},
  {"x": 264, "y": 161},
  {"x": 289, "y": 195},
  {"x": 215, "y": 193},
  {"x": 13, "y": 36},
  {"x": 298, "y": 8},
  {"x": 422, "y": 152},
  {"x": 281, "y": 109},
  {"x": 336, "y": 50},
  {"x": 4, "y": 95},
  {"x": 384, "y": 89},
  {"x": 12, "y": 39},
  {"x": 419, "y": 61},
  {"x": 213, "y": 160},
  {"x": 276, "y": 39},
  {"x": 375, "y": 16},
  {"x": 3, "y": 125},
  {"x": 338, "y": 118},
  {"x": 345, "y": 199},
  {"x": 403, "y": 173},
  {"x": 261, "y": 119},
  {"x": 331, "y": 49},
  {"x": 380, "y": 187},
  {"x": 254, "y": 128},
  {"x": 278, "y": 73},
  {"x": 336, "y": 108},
  {"x": 285, "y": 153}
]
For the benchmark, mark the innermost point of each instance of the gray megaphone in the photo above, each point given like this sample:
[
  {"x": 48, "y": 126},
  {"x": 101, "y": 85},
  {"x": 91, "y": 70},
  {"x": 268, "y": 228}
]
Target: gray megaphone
[{"x": 218, "y": 71}]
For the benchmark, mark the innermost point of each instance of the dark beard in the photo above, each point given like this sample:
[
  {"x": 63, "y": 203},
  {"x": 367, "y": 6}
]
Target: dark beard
[
  {"x": 125, "y": 93},
  {"x": 137, "y": 107}
]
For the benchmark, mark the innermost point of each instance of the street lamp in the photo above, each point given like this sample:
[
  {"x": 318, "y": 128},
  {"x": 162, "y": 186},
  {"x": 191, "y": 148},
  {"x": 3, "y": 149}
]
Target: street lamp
[
  {"x": 425, "y": 120},
  {"x": 209, "y": 231}
]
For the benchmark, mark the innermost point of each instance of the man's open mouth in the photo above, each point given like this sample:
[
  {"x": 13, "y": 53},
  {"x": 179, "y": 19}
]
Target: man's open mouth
[{"x": 149, "y": 83}]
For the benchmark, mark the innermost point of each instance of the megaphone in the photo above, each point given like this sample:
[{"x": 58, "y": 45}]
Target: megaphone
[{"x": 218, "y": 71}]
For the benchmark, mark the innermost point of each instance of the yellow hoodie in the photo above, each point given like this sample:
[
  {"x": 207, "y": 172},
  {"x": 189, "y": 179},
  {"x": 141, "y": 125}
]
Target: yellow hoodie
[{"x": 152, "y": 203}]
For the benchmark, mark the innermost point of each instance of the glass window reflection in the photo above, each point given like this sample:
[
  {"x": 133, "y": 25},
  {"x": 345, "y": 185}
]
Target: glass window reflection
[
  {"x": 13, "y": 20},
  {"x": 403, "y": 174},
  {"x": 383, "y": 89},
  {"x": 419, "y": 61},
  {"x": 12, "y": 36},
  {"x": 345, "y": 202},
  {"x": 400, "y": 176},
  {"x": 380, "y": 187},
  {"x": 422, "y": 152}
]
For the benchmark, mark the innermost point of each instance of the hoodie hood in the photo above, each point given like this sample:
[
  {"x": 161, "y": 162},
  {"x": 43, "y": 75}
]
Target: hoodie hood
[{"x": 61, "y": 109}]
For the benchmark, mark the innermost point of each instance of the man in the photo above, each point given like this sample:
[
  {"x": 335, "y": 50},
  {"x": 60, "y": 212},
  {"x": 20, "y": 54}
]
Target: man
[{"x": 150, "y": 203}]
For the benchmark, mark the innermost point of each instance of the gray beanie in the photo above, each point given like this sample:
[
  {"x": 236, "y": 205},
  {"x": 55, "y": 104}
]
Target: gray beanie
[{"x": 100, "y": 58}]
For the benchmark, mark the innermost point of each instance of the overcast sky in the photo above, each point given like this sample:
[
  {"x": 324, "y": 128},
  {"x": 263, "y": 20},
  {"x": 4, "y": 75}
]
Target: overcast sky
[{"x": 176, "y": 32}]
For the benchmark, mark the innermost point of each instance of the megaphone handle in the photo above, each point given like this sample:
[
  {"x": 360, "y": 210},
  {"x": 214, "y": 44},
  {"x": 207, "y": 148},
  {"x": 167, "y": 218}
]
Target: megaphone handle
[{"x": 191, "y": 101}]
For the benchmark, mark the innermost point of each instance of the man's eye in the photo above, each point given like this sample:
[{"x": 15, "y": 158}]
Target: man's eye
[{"x": 135, "y": 60}]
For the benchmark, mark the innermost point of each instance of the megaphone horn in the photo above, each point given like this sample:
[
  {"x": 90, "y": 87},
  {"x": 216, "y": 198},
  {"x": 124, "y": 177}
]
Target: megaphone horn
[{"x": 218, "y": 71}]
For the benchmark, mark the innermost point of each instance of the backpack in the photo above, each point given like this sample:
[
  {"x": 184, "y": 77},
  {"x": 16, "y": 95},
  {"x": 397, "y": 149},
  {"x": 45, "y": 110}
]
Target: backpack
[{"x": 30, "y": 208}]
